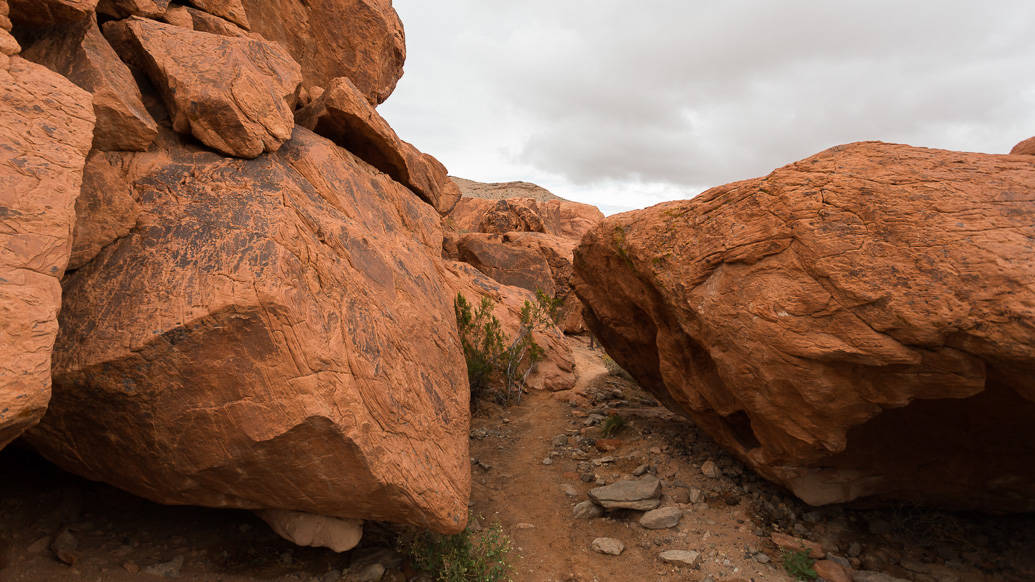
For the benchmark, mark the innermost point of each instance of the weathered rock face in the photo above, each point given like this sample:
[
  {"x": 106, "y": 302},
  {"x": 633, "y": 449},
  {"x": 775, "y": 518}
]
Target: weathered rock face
[
  {"x": 231, "y": 10},
  {"x": 359, "y": 39},
  {"x": 273, "y": 333},
  {"x": 557, "y": 217},
  {"x": 557, "y": 370},
  {"x": 105, "y": 209},
  {"x": 126, "y": 8},
  {"x": 46, "y": 124},
  {"x": 80, "y": 53},
  {"x": 233, "y": 94},
  {"x": 343, "y": 114},
  {"x": 860, "y": 323},
  {"x": 50, "y": 12},
  {"x": 1026, "y": 147},
  {"x": 509, "y": 265}
]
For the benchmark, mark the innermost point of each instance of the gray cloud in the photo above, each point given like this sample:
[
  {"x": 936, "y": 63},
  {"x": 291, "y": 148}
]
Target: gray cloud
[{"x": 628, "y": 102}]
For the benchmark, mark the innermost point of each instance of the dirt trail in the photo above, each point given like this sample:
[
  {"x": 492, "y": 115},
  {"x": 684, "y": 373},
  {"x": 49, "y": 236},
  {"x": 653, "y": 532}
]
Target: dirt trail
[{"x": 530, "y": 500}]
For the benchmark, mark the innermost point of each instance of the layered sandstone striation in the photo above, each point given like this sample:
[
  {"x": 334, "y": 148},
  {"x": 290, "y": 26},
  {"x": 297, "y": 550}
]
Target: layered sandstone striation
[{"x": 860, "y": 323}]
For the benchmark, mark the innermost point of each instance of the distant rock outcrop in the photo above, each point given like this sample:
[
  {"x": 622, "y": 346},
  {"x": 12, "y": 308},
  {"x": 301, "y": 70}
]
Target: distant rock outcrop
[
  {"x": 860, "y": 323},
  {"x": 503, "y": 190},
  {"x": 523, "y": 242},
  {"x": 1026, "y": 147}
]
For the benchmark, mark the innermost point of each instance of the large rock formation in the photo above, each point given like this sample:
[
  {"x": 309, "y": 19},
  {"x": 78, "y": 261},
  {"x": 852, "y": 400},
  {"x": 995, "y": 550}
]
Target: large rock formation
[
  {"x": 80, "y": 53},
  {"x": 860, "y": 323},
  {"x": 46, "y": 125},
  {"x": 233, "y": 94},
  {"x": 359, "y": 39},
  {"x": 343, "y": 114},
  {"x": 273, "y": 333}
]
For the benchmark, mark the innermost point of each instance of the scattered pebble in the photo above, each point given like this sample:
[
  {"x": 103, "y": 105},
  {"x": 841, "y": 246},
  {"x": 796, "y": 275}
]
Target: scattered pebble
[
  {"x": 608, "y": 546},
  {"x": 681, "y": 558}
]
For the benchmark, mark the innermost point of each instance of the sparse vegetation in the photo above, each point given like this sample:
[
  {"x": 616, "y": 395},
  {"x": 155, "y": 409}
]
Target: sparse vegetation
[
  {"x": 468, "y": 556},
  {"x": 613, "y": 425},
  {"x": 497, "y": 365},
  {"x": 798, "y": 565}
]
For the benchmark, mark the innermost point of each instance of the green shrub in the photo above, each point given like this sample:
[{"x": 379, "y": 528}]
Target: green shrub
[
  {"x": 465, "y": 557},
  {"x": 496, "y": 364},
  {"x": 613, "y": 425},
  {"x": 799, "y": 565}
]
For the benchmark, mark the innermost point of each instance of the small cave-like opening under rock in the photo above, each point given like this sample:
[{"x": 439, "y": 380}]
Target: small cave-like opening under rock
[
  {"x": 119, "y": 536},
  {"x": 970, "y": 453}
]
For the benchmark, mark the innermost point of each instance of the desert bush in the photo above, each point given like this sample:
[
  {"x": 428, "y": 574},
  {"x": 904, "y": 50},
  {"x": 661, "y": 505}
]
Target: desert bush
[
  {"x": 798, "y": 565},
  {"x": 464, "y": 557},
  {"x": 497, "y": 365},
  {"x": 613, "y": 425}
]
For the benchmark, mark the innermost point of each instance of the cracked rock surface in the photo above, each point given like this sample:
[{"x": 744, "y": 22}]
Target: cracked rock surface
[
  {"x": 859, "y": 323},
  {"x": 272, "y": 333}
]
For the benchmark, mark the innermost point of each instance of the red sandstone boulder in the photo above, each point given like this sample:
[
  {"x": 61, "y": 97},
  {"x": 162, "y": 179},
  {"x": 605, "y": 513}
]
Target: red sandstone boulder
[
  {"x": 8, "y": 44},
  {"x": 50, "y": 12},
  {"x": 1026, "y": 147},
  {"x": 273, "y": 333},
  {"x": 359, "y": 39},
  {"x": 343, "y": 114},
  {"x": 860, "y": 323},
  {"x": 231, "y": 10},
  {"x": 80, "y": 53},
  {"x": 46, "y": 124},
  {"x": 126, "y": 8},
  {"x": 519, "y": 267},
  {"x": 233, "y": 94},
  {"x": 557, "y": 370},
  {"x": 558, "y": 252},
  {"x": 105, "y": 209}
]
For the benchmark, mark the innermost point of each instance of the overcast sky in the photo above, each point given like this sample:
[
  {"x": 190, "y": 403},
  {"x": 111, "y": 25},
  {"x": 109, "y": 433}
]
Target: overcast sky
[{"x": 626, "y": 103}]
